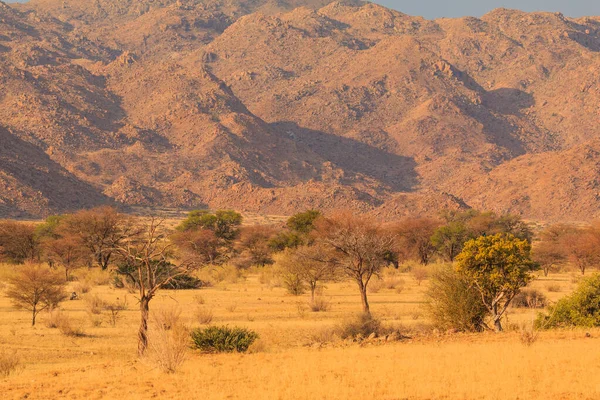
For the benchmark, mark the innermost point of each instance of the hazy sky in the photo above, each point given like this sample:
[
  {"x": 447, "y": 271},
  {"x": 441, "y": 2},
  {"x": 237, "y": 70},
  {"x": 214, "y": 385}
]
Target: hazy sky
[{"x": 459, "y": 8}]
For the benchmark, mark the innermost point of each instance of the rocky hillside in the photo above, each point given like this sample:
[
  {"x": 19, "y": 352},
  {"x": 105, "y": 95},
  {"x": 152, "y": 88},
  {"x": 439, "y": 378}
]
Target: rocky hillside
[{"x": 276, "y": 106}]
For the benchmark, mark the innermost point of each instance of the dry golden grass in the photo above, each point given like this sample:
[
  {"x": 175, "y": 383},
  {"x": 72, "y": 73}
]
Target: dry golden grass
[{"x": 103, "y": 364}]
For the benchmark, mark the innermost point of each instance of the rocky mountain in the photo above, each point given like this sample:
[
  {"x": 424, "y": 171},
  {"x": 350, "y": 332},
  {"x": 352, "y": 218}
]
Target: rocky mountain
[{"x": 277, "y": 106}]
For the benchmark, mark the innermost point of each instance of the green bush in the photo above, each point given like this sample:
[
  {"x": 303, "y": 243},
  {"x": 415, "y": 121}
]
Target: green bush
[
  {"x": 453, "y": 303},
  {"x": 582, "y": 308},
  {"x": 223, "y": 339}
]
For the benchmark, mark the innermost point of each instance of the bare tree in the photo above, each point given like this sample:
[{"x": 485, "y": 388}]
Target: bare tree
[
  {"x": 361, "y": 247},
  {"x": 36, "y": 288},
  {"x": 146, "y": 260}
]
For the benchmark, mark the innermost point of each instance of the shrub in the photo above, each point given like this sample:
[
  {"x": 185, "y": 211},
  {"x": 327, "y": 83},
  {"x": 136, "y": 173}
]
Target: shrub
[
  {"x": 114, "y": 308},
  {"x": 529, "y": 298},
  {"x": 9, "y": 363},
  {"x": 361, "y": 326},
  {"x": 320, "y": 304},
  {"x": 184, "y": 282},
  {"x": 55, "y": 316},
  {"x": 375, "y": 286},
  {"x": 204, "y": 315},
  {"x": 168, "y": 347},
  {"x": 95, "y": 304},
  {"x": 223, "y": 339},
  {"x": 394, "y": 283},
  {"x": 82, "y": 287},
  {"x": 581, "y": 308},
  {"x": 553, "y": 287},
  {"x": 420, "y": 274},
  {"x": 68, "y": 328},
  {"x": 294, "y": 284},
  {"x": 166, "y": 318},
  {"x": 453, "y": 304}
]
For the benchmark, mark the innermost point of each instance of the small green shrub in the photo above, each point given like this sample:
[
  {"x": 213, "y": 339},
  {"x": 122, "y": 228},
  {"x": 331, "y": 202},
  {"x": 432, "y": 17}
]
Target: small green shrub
[
  {"x": 223, "y": 339},
  {"x": 582, "y": 308},
  {"x": 530, "y": 298}
]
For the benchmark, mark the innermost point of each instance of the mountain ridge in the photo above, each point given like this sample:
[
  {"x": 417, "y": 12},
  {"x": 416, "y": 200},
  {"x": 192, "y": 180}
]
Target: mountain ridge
[{"x": 272, "y": 108}]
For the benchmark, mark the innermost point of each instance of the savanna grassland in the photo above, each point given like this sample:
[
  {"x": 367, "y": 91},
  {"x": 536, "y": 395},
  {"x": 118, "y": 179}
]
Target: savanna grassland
[{"x": 296, "y": 356}]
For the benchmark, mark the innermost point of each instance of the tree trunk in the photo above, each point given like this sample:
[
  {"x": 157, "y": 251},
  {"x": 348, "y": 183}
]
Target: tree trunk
[
  {"x": 363, "y": 297},
  {"x": 496, "y": 317},
  {"x": 143, "y": 331},
  {"x": 33, "y": 316},
  {"x": 312, "y": 293}
]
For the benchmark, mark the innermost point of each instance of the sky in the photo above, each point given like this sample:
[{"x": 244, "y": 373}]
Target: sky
[{"x": 459, "y": 8}]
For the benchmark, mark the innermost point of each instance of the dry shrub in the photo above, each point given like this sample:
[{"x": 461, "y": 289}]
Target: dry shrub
[
  {"x": 55, "y": 317},
  {"x": 530, "y": 298},
  {"x": 325, "y": 335},
  {"x": 320, "y": 304},
  {"x": 94, "y": 304},
  {"x": 10, "y": 363},
  {"x": 528, "y": 337},
  {"x": 394, "y": 283},
  {"x": 68, "y": 327},
  {"x": 361, "y": 326},
  {"x": 232, "y": 307},
  {"x": 166, "y": 318},
  {"x": 221, "y": 273},
  {"x": 167, "y": 348},
  {"x": 420, "y": 274},
  {"x": 553, "y": 287},
  {"x": 204, "y": 315},
  {"x": 114, "y": 309},
  {"x": 375, "y": 286},
  {"x": 82, "y": 287},
  {"x": 259, "y": 346},
  {"x": 198, "y": 299}
]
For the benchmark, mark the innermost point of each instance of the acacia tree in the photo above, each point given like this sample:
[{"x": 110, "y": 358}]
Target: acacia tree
[
  {"x": 203, "y": 245},
  {"x": 582, "y": 248},
  {"x": 67, "y": 251},
  {"x": 18, "y": 242},
  {"x": 361, "y": 248},
  {"x": 253, "y": 246},
  {"x": 498, "y": 267},
  {"x": 312, "y": 264},
  {"x": 414, "y": 238},
  {"x": 145, "y": 259},
  {"x": 101, "y": 230},
  {"x": 36, "y": 288}
]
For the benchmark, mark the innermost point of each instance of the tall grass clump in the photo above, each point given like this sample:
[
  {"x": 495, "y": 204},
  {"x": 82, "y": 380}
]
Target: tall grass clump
[
  {"x": 10, "y": 363},
  {"x": 168, "y": 347}
]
